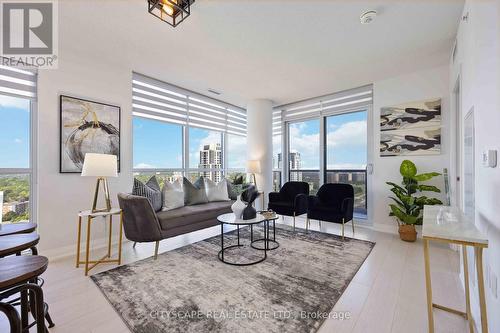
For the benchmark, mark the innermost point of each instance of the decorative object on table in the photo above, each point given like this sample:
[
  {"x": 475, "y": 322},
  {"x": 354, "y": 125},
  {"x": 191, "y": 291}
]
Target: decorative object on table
[
  {"x": 249, "y": 212},
  {"x": 269, "y": 214},
  {"x": 172, "y": 12},
  {"x": 296, "y": 257},
  {"x": 412, "y": 128},
  {"x": 100, "y": 166},
  {"x": 87, "y": 127},
  {"x": 407, "y": 208},
  {"x": 253, "y": 167},
  {"x": 151, "y": 191},
  {"x": 237, "y": 207}
]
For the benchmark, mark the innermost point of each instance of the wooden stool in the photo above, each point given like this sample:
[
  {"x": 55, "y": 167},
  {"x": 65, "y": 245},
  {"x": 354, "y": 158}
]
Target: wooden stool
[
  {"x": 16, "y": 275},
  {"x": 17, "y": 228}
]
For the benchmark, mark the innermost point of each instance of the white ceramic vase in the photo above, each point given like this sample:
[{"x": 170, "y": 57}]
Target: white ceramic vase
[{"x": 237, "y": 207}]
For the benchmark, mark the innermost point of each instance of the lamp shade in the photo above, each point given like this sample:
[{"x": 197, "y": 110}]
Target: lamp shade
[
  {"x": 253, "y": 166},
  {"x": 99, "y": 165}
]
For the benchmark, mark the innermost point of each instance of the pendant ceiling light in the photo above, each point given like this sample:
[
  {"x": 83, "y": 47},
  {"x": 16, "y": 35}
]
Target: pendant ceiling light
[{"x": 171, "y": 11}]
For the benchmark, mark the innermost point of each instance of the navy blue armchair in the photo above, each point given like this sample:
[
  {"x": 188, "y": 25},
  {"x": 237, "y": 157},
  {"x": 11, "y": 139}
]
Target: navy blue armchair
[
  {"x": 291, "y": 200},
  {"x": 333, "y": 203}
]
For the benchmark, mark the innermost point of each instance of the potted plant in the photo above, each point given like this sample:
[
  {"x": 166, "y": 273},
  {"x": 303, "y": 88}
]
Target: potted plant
[{"x": 408, "y": 206}]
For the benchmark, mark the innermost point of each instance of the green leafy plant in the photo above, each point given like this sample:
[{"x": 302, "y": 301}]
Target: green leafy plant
[{"x": 408, "y": 206}]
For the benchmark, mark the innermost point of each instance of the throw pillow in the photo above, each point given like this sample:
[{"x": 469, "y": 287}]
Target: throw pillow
[
  {"x": 194, "y": 195},
  {"x": 153, "y": 194},
  {"x": 216, "y": 191},
  {"x": 173, "y": 195}
]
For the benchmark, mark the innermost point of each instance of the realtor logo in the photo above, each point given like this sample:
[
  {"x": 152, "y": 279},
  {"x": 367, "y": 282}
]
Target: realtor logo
[{"x": 29, "y": 33}]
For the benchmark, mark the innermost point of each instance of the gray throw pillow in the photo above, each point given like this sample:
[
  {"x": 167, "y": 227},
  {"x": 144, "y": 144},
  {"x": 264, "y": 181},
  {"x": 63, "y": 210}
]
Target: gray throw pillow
[
  {"x": 151, "y": 191},
  {"x": 216, "y": 191},
  {"x": 193, "y": 194},
  {"x": 173, "y": 195}
]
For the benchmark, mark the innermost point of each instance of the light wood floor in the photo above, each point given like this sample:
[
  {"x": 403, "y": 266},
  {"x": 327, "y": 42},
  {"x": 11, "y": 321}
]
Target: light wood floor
[{"x": 386, "y": 295}]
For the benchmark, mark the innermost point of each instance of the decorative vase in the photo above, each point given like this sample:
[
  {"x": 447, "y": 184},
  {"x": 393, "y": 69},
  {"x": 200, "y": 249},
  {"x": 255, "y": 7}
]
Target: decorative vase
[
  {"x": 249, "y": 212},
  {"x": 407, "y": 232},
  {"x": 237, "y": 207}
]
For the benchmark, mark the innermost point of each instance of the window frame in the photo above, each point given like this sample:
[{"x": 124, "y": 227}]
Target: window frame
[{"x": 31, "y": 171}]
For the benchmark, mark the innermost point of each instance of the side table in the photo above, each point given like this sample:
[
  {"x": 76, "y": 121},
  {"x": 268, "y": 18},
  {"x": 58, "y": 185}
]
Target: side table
[{"x": 90, "y": 263}]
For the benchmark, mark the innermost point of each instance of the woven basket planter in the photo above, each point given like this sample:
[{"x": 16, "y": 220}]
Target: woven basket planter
[{"x": 407, "y": 232}]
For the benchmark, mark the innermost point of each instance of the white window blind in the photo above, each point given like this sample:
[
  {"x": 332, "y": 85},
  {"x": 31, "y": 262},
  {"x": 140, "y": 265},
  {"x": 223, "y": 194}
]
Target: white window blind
[
  {"x": 329, "y": 104},
  {"x": 17, "y": 82},
  {"x": 277, "y": 120},
  {"x": 158, "y": 100}
]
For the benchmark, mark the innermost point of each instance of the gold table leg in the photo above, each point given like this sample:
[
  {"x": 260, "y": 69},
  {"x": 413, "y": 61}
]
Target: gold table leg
[
  {"x": 120, "y": 239},
  {"x": 110, "y": 232},
  {"x": 78, "y": 240},
  {"x": 478, "y": 252},
  {"x": 89, "y": 221},
  {"x": 467, "y": 293},
  {"x": 430, "y": 315}
]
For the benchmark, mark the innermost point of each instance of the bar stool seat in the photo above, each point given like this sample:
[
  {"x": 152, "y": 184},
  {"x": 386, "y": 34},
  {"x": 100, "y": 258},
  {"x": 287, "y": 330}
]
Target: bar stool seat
[
  {"x": 16, "y": 243},
  {"x": 17, "y": 228},
  {"x": 16, "y": 273}
]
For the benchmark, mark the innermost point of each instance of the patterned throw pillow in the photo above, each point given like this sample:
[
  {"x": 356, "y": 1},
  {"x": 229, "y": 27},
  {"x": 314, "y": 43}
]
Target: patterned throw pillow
[
  {"x": 173, "y": 195},
  {"x": 216, "y": 191},
  {"x": 150, "y": 190},
  {"x": 194, "y": 194}
]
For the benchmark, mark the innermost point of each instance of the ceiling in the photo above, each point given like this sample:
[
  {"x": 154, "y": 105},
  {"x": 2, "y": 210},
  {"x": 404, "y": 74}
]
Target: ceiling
[{"x": 274, "y": 49}]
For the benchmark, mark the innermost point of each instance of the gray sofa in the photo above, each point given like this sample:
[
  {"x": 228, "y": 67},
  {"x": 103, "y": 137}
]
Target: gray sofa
[{"x": 142, "y": 224}]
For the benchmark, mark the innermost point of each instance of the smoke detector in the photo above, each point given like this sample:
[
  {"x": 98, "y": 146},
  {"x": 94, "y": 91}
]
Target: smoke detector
[{"x": 368, "y": 17}]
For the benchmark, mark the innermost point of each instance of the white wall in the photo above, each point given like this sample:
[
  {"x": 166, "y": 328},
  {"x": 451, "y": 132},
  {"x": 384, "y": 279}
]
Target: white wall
[
  {"x": 477, "y": 63},
  {"x": 61, "y": 196},
  {"x": 410, "y": 87}
]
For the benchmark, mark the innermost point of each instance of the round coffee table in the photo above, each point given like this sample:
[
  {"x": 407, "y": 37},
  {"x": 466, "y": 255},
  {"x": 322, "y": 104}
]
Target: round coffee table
[
  {"x": 231, "y": 219},
  {"x": 270, "y": 243}
]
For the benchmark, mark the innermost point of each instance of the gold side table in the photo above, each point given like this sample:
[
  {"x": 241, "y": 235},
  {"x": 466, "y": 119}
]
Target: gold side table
[{"x": 89, "y": 216}]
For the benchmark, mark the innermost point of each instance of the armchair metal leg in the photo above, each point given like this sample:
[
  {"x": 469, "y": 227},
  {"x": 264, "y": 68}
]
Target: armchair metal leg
[
  {"x": 133, "y": 246},
  {"x": 156, "y": 249},
  {"x": 343, "y": 222},
  {"x": 319, "y": 224},
  {"x": 352, "y": 221},
  {"x": 307, "y": 223},
  {"x": 293, "y": 221}
]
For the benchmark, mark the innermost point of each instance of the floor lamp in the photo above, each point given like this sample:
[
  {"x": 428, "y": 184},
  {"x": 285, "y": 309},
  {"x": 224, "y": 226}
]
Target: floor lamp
[
  {"x": 253, "y": 167},
  {"x": 100, "y": 166}
]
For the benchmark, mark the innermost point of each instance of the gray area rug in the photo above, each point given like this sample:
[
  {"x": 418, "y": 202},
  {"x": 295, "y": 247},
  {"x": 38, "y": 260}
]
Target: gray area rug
[{"x": 190, "y": 290}]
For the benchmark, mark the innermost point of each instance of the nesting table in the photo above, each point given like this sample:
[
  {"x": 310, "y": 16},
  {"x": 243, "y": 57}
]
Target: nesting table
[
  {"x": 448, "y": 225},
  {"x": 90, "y": 216}
]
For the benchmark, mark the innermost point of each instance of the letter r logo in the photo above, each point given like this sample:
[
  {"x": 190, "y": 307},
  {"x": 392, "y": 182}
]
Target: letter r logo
[{"x": 27, "y": 28}]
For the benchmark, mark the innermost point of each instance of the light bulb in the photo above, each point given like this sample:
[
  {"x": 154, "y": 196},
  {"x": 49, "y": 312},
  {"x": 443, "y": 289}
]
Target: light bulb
[{"x": 168, "y": 9}]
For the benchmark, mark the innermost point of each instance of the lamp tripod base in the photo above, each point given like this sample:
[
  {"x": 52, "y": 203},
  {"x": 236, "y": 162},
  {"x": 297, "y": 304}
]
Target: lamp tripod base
[{"x": 106, "y": 196}]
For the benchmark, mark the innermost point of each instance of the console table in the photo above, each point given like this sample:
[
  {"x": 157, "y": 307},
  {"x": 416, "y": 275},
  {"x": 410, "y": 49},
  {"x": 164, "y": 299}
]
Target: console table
[
  {"x": 448, "y": 225},
  {"x": 90, "y": 216}
]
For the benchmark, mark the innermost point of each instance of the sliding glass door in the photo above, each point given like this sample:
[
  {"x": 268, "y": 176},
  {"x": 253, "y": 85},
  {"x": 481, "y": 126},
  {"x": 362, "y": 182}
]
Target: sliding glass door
[{"x": 346, "y": 154}]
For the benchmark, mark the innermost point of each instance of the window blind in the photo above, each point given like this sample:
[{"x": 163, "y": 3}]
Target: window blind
[
  {"x": 277, "y": 120},
  {"x": 162, "y": 101},
  {"x": 329, "y": 104},
  {"x": 17, "y": 82}
]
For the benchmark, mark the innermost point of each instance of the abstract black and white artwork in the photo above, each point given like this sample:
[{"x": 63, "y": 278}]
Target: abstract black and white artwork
[
  {"x": 412, "y": 128},
  {"x": 87, "y": 127}
]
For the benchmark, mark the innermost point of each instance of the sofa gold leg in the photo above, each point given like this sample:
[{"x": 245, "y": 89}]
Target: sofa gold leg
[
  {"x": 343, "y": 222},
  {"x": 157, "y": 245}
]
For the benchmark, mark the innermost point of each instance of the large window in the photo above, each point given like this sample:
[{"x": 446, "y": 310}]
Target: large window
[
  {"x": 303, "y": 153},
  {"x": 277, "y": 162},
  {"x": 180, "y": 133},
  {"x": 15, "y": 159},
  {"x": 346, "y": 154}
]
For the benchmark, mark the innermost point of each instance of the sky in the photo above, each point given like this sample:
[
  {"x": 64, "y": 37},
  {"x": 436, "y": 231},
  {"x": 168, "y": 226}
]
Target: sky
[
  {"x": 159, "y": 145},
  {"x": 14, "y": 132}
]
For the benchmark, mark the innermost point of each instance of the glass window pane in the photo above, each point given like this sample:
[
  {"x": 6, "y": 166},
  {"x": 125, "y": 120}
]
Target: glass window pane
[
  {"x": 14, "y": 132},
  {"x": 304, "y": 153},
  {"x": 205, "y": 152},
  {"x": 346, "y": 144},
  {"x": 156, "y": 144},
  {"x": 277, "y": 152},
  {"x": 162, "y": 177},
  {"x": 236, "y": 151},
  {"x": 14, "y": 198}
]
